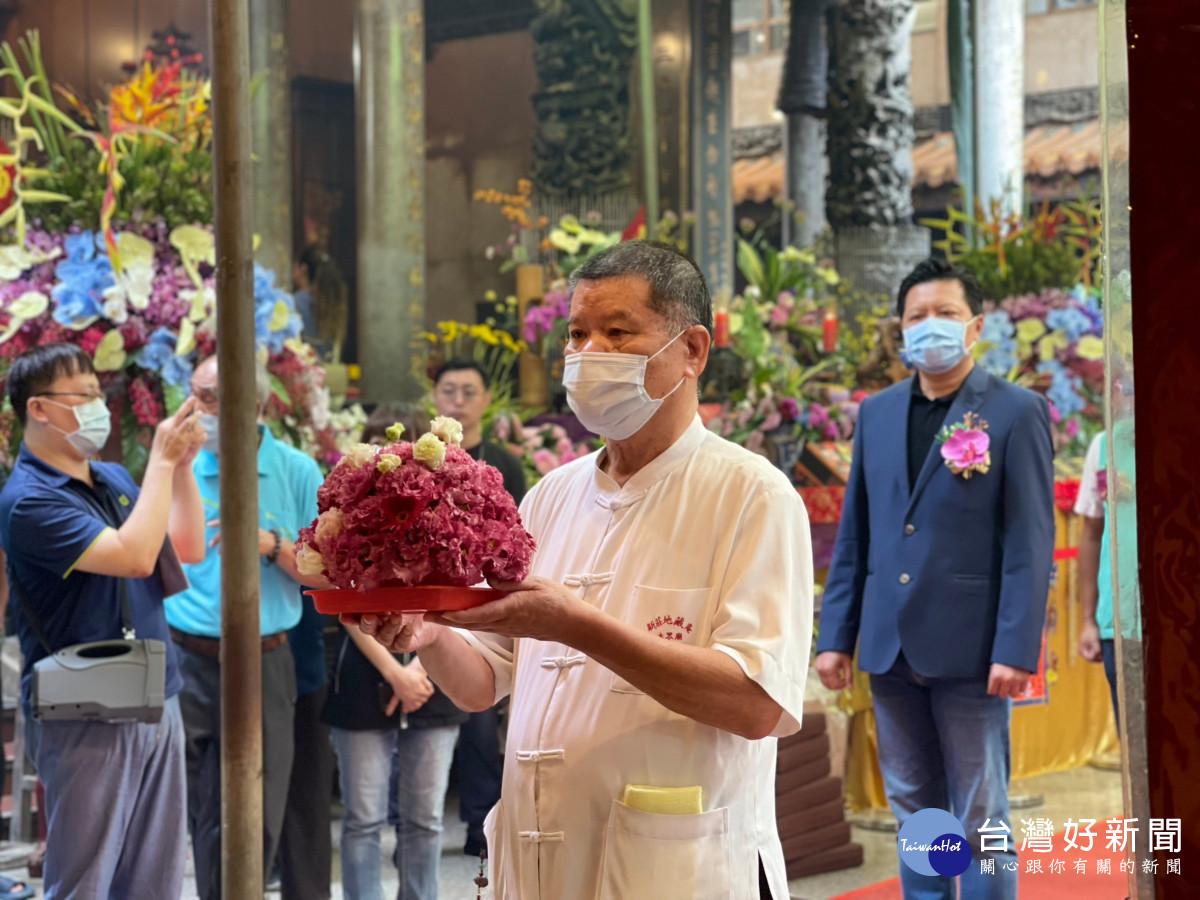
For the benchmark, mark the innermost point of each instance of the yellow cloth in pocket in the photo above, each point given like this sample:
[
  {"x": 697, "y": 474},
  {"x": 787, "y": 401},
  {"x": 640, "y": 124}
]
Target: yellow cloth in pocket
[{"x": 680, "y": 801}]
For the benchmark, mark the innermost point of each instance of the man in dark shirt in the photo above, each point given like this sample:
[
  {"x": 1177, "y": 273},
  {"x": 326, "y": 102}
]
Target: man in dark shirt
[{"x": 460, "y": 390}]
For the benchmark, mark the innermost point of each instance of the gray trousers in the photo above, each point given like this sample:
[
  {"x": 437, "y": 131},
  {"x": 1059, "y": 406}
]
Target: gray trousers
[
  {"x": 114, "y": 802},
  {"x": 200, "y": 702}
]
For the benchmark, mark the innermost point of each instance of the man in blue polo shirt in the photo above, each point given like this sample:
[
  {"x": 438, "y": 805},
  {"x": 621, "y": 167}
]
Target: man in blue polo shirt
[
  {"x": 75, "y": 532},
  {"x": 287, "y": 501}
]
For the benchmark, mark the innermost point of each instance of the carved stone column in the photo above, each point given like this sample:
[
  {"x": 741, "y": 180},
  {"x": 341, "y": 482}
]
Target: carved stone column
[
  {"x": 389, "y": 76},
  {"x": 584, "y": 53},
  {"x": 271, "y": 131},
  {"x": 869, "y": 201}
]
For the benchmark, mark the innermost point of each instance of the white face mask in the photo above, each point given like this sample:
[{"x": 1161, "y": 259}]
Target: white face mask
[
  {"x": 607, "y": 391},
  {"x": 95, "y": 425}
]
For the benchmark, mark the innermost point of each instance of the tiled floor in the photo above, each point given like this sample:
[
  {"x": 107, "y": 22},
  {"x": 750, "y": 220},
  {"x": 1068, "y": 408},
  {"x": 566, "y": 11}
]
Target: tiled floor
[{"x": 1079, "y": 793}]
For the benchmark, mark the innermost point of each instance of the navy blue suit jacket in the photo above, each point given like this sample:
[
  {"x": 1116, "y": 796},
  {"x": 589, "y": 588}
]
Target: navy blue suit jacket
[{"x": 956, "y": 571}]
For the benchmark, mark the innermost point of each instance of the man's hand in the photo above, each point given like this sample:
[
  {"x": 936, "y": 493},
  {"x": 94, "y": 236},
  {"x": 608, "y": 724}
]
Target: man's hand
[
  {"x": 836, "y": 670},
  {"x": 535, "y": 608},
  {"x": 1007, "y": 681},
  {"x": 266, "y": 540},
  {"x": 1089, "y": 642},
  {"x": 398, "y": 633},
  {"x": 411, "y": 688},
  {"x": 178, "y": 438}
]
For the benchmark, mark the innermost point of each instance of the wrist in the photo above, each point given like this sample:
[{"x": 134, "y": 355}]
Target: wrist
[
  {"x": 160, "y": 463},
  {"x": 581, "y": 625}
]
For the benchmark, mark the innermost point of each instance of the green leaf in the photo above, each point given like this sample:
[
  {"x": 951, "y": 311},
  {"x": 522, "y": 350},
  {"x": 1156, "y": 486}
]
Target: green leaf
[
  {"x": 750, "y": 263},
  {"x": 133, "y": 449},
  {"x": 280, "y": 390},
  {"x": 173, "y": 396}
]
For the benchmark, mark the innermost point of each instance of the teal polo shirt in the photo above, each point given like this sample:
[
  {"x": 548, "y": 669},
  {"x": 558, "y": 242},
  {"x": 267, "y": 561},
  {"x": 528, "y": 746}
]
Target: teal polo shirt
[
  {"x": 287, "y": 501},
  {"x": 1127, "y": 567}
]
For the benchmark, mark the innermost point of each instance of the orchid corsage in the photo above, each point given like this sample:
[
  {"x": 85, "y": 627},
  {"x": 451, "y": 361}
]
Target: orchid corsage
[{"x": 965, "y": 446}]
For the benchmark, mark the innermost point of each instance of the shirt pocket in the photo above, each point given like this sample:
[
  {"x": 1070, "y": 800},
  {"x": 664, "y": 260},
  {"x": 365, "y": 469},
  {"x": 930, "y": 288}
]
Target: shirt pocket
[
  {"x": 668, "y": 614},
  {"x": 649, "y": 856}
]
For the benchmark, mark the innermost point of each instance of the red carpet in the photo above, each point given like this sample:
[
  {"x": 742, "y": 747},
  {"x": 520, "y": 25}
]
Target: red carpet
[{"x": 1069, "y": 885}]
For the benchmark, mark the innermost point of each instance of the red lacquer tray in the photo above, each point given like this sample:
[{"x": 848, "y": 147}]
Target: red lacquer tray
[{"x": 433, "y": 598}]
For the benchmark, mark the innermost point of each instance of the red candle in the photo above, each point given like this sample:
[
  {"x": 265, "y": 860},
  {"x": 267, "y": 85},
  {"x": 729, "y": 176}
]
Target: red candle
[
  {"x": 829, "y": 331},
  {"x": 721, "y": 331}
]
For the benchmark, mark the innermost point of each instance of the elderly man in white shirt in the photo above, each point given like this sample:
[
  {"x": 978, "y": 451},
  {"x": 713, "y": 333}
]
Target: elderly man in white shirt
[{"x": 663, "y": 636}]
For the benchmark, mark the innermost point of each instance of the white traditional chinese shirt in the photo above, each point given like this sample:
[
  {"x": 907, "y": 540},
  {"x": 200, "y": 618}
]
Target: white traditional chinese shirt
[{"x": 708, "y": 545}]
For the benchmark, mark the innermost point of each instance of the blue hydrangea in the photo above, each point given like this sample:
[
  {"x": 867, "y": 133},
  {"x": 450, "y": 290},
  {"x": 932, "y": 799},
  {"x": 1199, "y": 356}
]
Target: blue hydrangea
[
  {"x": 266, "y": 297},
  {"x": 83, "y": 277},
  {"x": 177, "y": 371},
  {"x": 999, "y": 332},
  {"x": 1073, "y": 322},
  {"x": 997, "y": 326},
  {"x": 1065, "y": 388},
  {"x": 159, "y": 356}
]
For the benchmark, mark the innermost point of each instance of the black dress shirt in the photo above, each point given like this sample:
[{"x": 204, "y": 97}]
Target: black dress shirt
[{"x": 925, "y": 419}]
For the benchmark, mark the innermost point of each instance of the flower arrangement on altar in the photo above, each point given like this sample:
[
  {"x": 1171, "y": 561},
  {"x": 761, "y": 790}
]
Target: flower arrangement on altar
[
  {"x": 560, "y": 247},
  {"x": 1015, "y": 255},
  {"x": 114, "y": 253},
  {"x": 414, "y": 514},
  {"x": 1052, "y": 342}
]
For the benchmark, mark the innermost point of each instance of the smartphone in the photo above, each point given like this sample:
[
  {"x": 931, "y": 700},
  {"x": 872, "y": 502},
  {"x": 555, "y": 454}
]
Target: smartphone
[{"x": 385, "y": 695}]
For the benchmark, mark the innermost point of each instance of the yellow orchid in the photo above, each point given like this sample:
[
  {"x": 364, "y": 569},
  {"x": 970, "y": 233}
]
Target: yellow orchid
[
  {"x": 1049, "y": 345},
  {"x": 110, "y": 352},
  {"x": 561, "y": 240},
  {"x": 195, "y": 246},
  {"x": 279, "y": 316},
  {"x": 187, "y": 338},
  {"x": 1090, "y": 347},
  {"x": 29, "y": 305}
]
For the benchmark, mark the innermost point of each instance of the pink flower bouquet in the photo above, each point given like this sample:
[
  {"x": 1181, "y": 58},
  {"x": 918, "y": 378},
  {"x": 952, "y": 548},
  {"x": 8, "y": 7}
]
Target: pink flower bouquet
[{"x": 414, "y": 515}]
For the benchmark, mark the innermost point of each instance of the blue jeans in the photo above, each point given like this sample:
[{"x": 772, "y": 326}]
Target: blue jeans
[
  {"x": 944, "y": 743},
  {"x": 364, "y": 763},
  {"x": 1108, "y": 650},
  {"x": 115, "y": 799},
  {"x": 480, "y": 766}
]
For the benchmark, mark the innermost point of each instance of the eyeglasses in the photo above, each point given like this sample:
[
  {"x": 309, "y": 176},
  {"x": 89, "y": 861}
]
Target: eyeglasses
[
  {"x": 90, "y": 397},
  {"x": 468, "y": 394}
]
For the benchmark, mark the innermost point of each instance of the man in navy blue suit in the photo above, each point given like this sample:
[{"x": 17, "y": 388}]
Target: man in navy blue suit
[{"x": 941, "y": 572}]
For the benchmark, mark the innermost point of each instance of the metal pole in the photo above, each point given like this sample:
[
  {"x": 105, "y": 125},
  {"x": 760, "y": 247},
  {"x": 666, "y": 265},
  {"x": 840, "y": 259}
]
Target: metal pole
[
  {"x": 649, "y": 120},
  {"x": 241, "y": 658}
]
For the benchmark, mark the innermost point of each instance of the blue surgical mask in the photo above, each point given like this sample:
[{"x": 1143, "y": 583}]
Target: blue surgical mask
[
  {"x": 935, "y": 346},
  {"x": 209, "y": 421}
]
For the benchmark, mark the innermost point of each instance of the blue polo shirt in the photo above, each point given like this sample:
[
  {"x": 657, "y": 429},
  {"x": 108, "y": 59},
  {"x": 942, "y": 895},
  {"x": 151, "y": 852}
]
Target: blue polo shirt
[
  {"x": 48, "y": 520},
  {"x": 287, "y": 501}
]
